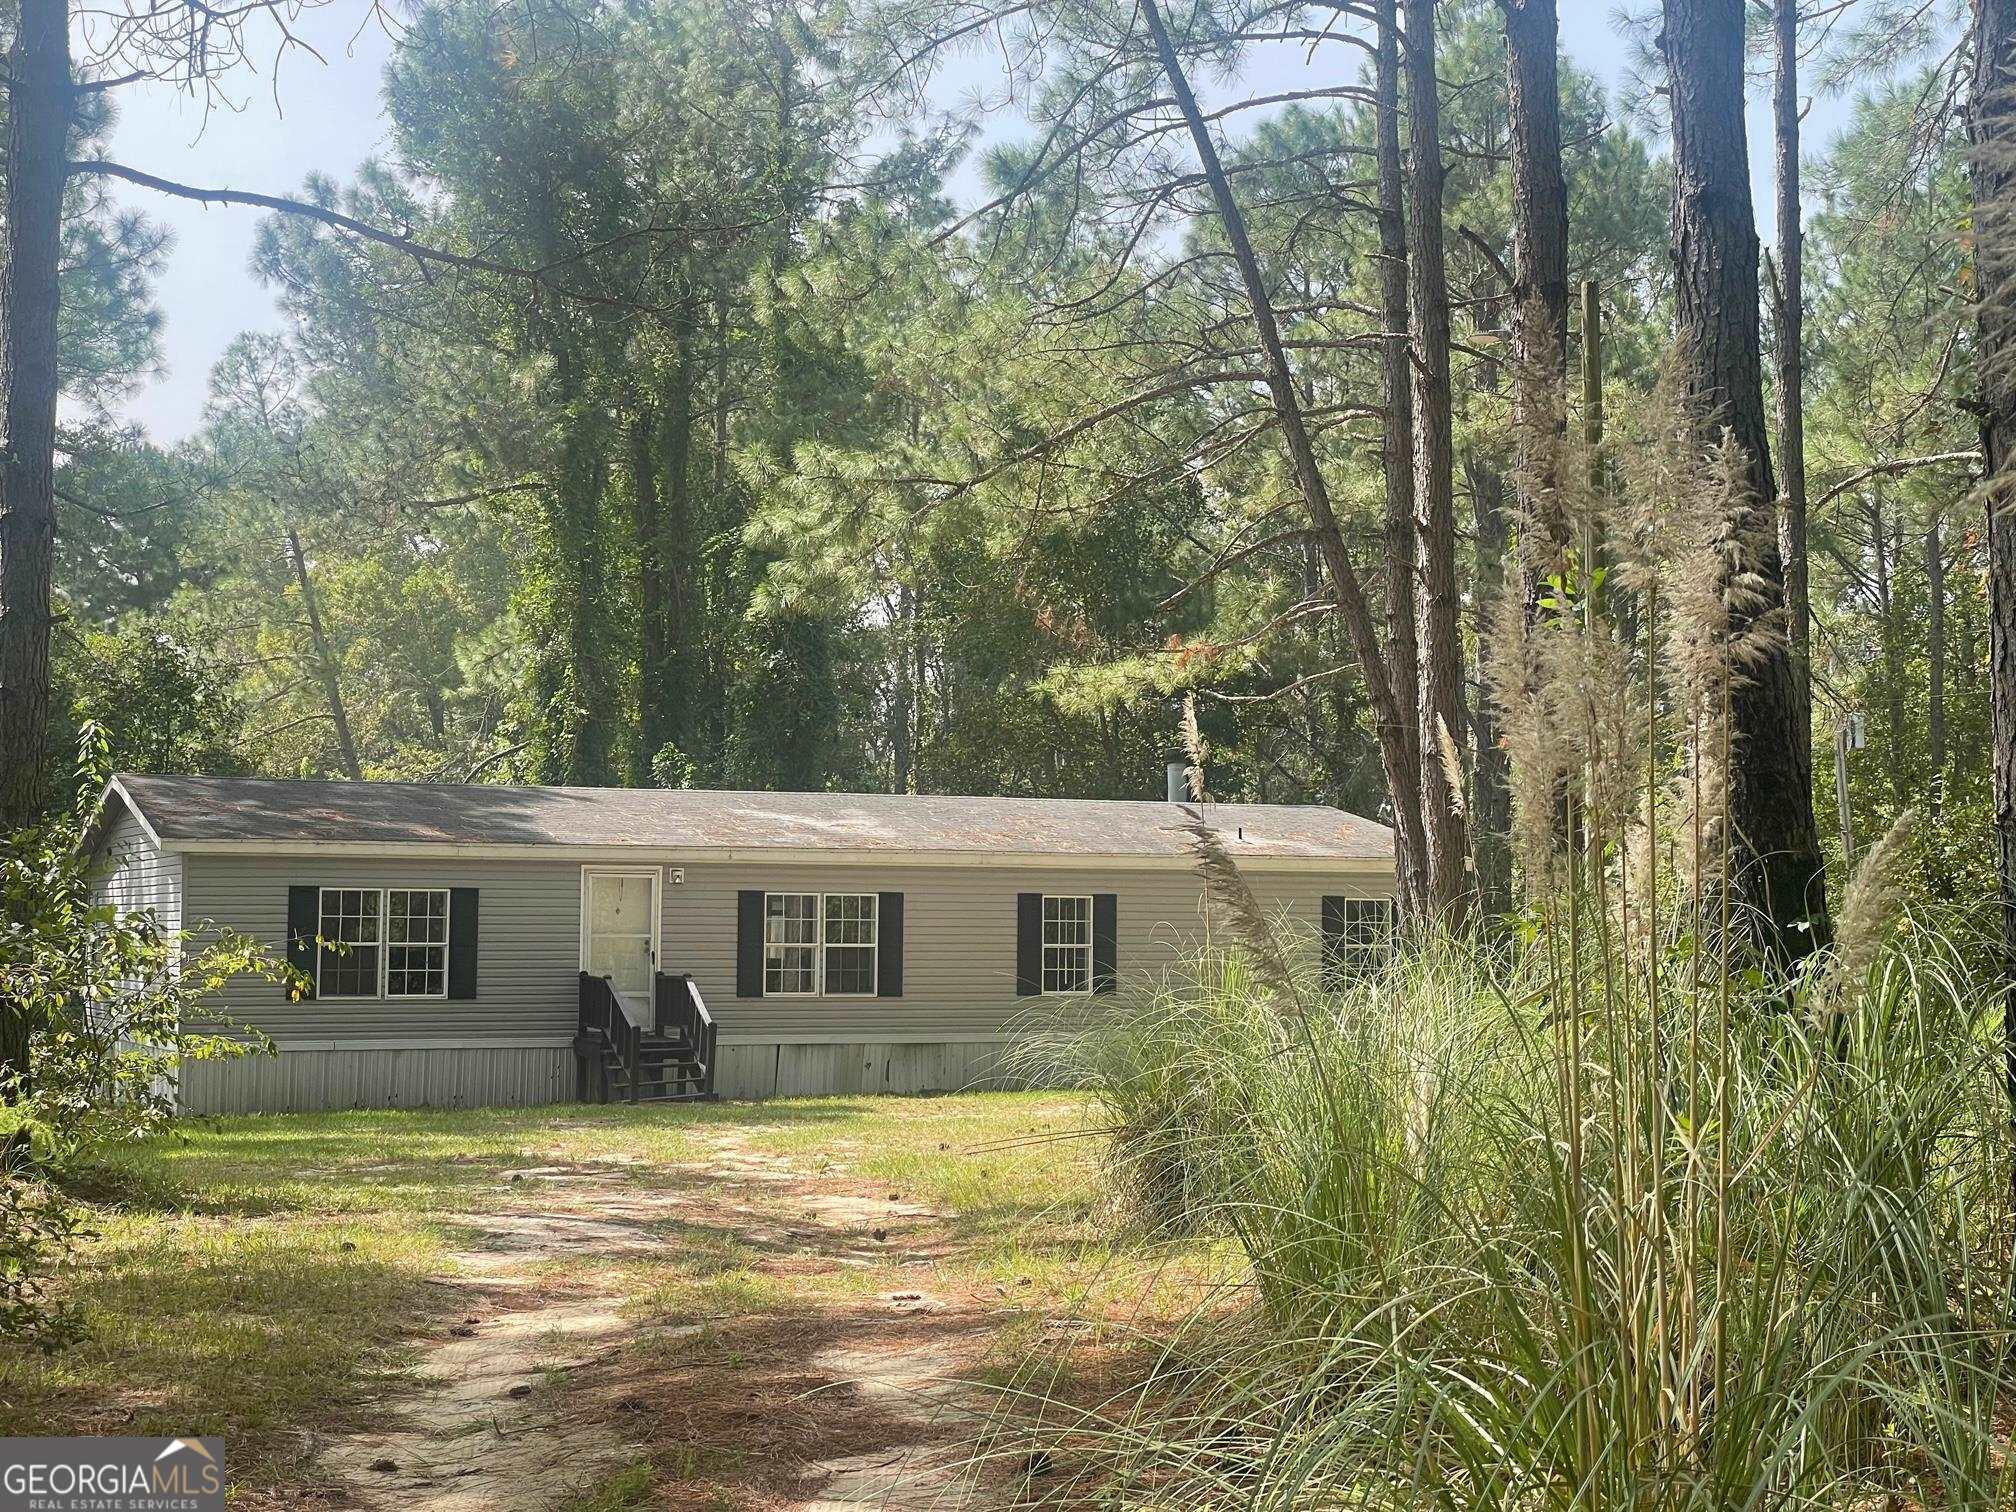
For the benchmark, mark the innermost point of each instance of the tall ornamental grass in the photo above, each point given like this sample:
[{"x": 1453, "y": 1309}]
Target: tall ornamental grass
[{"x": 1619, "y": 1211}]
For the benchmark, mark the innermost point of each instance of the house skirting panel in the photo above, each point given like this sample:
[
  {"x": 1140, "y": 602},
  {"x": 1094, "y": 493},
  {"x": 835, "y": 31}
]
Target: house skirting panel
[
  {"x": 303, "y": 1080},
  {"x": 759, "y": 1068},
  {"x": 320, "y": 1076}
]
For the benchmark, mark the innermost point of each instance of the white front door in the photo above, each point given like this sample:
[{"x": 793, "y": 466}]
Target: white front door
[{"x": 619, "y": 930}]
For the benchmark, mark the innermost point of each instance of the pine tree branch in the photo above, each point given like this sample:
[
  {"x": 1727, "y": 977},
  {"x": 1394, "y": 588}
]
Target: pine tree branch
[
  {"x": 398, "y": 241},
  {"x": 1891, "y": 468}
]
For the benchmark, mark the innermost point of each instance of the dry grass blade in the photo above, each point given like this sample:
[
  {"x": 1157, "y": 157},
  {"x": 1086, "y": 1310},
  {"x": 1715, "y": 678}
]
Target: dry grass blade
[
  {"x": 1868, "y": 912},
  {"x": 1223, "y": 881},
  {"x": 1248, "y": 923},
  {"x": 1193, "y": 749}
]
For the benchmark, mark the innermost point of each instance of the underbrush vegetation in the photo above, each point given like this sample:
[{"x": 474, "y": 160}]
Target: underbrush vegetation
[
  {"x": 98, "y": 1004},
  {"x": 1506, "y": 1250},
  {"x": 1629, "y": 1206}
]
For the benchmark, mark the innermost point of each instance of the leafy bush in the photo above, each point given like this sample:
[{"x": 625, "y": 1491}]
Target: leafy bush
[
  {"x": 38, "y": 1230},
  {"x": 98, "y": 1006}
]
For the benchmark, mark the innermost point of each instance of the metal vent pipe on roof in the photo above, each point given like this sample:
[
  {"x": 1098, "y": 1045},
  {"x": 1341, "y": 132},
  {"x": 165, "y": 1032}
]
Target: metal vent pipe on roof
[{"x": 1179, "y": 782}]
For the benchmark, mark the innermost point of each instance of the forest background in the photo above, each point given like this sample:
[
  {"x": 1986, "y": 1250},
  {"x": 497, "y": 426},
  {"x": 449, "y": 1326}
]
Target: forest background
[{"x": 850, "y": 440}]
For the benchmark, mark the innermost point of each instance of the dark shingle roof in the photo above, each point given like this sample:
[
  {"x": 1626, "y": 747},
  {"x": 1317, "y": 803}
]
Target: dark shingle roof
[{"x": 196, "y": 809}]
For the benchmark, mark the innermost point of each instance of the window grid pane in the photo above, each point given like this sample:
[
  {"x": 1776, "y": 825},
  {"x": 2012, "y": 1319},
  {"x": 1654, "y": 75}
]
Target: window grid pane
[
  {"x": 416, "y": 949},
  {"x": 850, "y": 918},
  {"x": 1067, "y": 945},
  {"x": 850, "y": 944},
  {"x": 790, "y": 944},
  {"x": 349, "y": 918},
  {"x": 1368, "y": 933},
  {"x": 850, "y": 970}
]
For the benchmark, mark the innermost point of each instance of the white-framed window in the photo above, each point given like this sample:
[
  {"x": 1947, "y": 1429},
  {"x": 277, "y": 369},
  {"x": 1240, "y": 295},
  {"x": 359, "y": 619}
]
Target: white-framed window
[
  {"x": 382, "y": 942},
  {"x": 820, "y": 944},
  {"x": 1067, "y": 946},
  {"x": 850, "y": 935},
  {"x": 791, "y": 944},
  {"x": 1367, "y": 940},
  {"x": 416, "y": 942},
  {"x": 351, "y": 924}
]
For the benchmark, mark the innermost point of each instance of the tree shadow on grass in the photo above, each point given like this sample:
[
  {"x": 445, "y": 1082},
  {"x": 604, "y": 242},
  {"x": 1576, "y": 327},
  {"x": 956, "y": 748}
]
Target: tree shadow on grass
[
  {"x": 260, "y": 1334},
  {"x": 408, "y": 1158},
  {"x": 746, "y": 1411}
]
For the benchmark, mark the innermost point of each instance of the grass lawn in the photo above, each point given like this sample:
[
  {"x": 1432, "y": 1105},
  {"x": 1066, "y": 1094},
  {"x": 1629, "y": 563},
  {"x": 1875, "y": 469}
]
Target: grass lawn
[{"x": 262, "y": 1278}]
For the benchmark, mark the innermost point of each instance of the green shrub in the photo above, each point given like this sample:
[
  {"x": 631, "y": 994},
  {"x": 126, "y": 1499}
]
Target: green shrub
[{"x": 99, "y": 1005}]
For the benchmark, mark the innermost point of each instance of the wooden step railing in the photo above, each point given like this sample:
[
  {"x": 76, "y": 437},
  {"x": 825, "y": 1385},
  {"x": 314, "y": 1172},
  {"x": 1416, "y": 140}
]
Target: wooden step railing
[
  {"x": 680, "y": 1013},
  {"x": 602, "y": 1027},
  {"x": 610, "y": 1052}
]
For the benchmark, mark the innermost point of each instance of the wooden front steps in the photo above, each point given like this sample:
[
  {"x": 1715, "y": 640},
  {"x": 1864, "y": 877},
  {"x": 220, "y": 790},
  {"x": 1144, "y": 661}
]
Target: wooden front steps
[{"x": 617, "y": 1061}]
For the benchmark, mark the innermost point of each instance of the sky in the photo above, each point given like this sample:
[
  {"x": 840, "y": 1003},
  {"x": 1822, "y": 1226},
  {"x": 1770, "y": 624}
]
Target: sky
[{"x": 324, "y": 117}]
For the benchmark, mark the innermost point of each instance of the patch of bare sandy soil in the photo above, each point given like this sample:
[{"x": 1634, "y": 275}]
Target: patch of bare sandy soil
[
  {"x": 540, "y": 1391},
  {"x": 831, "y": 1407},
  {"x": 490, "y": 1425}
]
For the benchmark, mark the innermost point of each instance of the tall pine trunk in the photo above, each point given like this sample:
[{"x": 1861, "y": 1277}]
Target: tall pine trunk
[
  {"x": 1490, "y": 778},
  {"x": 1410, "y": 860},
  {"x": 1539, "y": 280},
  {"x": 1441, "y": 638},
  {"x": 681, "y": 672},
  {"x": 589, "y": 721},
  {"x": 326, "y": 672},
  {"x": 575, "y": 713},
  {"x": 1539, "y": 295},
  {"x": 662, "y": 454},
  {"x": 38, "y": 118},
  {"x": 648, "y": 511},
  {"x": 1779, "y": 885},
  {"x": 719, "y": 613},
  {"x": 1491, "y": 517},
  {"x": 1791, "y": 364},
  {"x": 902, "y": 691},
  {"x": 1883, "y": 565},
  {"x": 1992, "y": 125},
  {"x": 1405, "y": 781}
]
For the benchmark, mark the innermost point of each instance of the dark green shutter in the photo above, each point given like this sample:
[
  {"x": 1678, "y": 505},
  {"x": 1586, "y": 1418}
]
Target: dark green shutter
[
  {"x": 749, "y": 944},
  {"x": 462, "y": 942},
  {"x": 1333, "y": 943},
  {"x": 889, "y": 944},
  {"x": 1105, "y": 941},
  {"x": 304, "y": 917},
  {"x": 1028, "y": 944}
]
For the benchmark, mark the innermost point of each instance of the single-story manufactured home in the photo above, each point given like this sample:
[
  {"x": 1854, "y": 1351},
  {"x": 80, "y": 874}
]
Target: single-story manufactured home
[{"x": 470, "y": 944}]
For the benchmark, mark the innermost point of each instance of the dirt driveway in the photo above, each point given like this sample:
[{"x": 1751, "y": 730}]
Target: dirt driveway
[{"x": 734, "y": 1328}]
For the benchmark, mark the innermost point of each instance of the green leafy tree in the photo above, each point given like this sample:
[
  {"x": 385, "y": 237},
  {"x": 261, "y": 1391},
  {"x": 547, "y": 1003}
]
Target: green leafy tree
[
  {"x": 1899, "y": 595},
  {"x": 103, "y": 1008}
]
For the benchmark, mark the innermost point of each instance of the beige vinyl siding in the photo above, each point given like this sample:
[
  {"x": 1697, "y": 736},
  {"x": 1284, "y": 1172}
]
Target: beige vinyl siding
[
  {"x": 959, "y": 939},
  {"x": 528, "y": 947},
  {"x": 959, "y": 942},
  {"x": 135, "y": 874}
]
